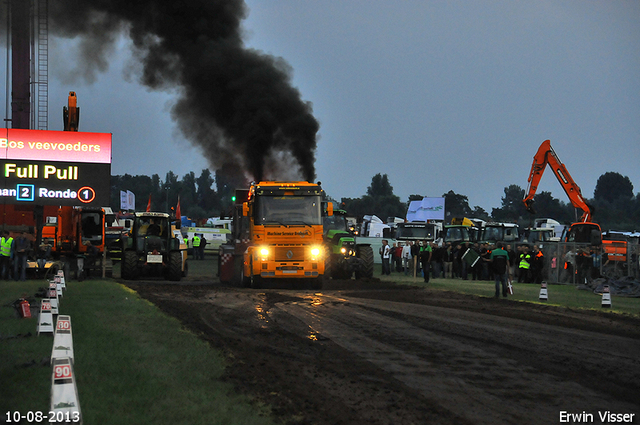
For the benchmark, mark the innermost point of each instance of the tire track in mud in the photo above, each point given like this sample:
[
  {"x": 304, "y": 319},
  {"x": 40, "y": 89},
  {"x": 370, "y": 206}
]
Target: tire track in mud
[
  {"x": 458, "y": 358},
  {"x": 304, "y": 379},
  {"x": 360, "y": 358}
]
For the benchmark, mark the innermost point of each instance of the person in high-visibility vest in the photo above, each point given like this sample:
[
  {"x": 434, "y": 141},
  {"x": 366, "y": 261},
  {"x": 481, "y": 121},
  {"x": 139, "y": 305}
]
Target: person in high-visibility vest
[
  {"x": 524, "y": 265},
  {"x": 6, "y": 253},
  {"x": 196, "y": 247}
]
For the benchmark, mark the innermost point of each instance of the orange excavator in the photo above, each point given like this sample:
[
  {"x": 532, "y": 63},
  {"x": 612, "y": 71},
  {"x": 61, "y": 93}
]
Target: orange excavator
[
  {"x": 583, "y": 231},
  {"x": 71, "y": 113}
]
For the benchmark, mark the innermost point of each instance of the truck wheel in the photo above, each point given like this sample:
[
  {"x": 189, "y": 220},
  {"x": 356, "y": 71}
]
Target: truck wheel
[
  {"x": 238, "y": 268},
  {"x": 256, "y": 282},
  {"x": 129, "y": 265},
  {"x": 365, "y": 253},
  {"x": 175, "y": 266}
]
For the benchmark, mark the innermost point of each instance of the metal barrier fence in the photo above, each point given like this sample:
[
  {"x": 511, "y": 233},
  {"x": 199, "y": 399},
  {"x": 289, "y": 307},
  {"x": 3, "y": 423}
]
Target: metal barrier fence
[{"x": 575, "y": 263}]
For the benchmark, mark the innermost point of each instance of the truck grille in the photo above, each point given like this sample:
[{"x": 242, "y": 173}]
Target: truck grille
[{"x": 289, "y": 253}]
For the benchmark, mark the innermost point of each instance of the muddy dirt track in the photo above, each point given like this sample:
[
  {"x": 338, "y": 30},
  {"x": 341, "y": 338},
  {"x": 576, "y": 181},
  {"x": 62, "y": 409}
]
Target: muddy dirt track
[{"x": 372, "y": 353}]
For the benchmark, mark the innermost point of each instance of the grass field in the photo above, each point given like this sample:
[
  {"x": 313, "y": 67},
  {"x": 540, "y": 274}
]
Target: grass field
[
  {"x": 559, "y": 295},
  {"x": 133, "y": 364}
]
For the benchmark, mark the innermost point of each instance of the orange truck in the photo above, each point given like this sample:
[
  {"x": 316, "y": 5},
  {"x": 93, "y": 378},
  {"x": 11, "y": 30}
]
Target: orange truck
[{"x": 277, "y": 234}]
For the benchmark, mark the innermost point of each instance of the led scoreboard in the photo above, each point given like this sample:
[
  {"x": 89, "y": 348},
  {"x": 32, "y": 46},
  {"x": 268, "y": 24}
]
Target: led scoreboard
[{"x": 55, "y": 167}]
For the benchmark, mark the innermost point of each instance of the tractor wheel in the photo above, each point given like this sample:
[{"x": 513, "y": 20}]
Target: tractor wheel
[
  {"x": 174, "y": 271},
  {"x": 334, "y": 268},
  {"x": 129, "y": 268},
  {"x": 365, "y": 253}
]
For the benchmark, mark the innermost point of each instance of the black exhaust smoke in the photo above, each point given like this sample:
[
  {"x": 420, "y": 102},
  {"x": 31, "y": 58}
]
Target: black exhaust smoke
[{"x": 237, "y": 104}]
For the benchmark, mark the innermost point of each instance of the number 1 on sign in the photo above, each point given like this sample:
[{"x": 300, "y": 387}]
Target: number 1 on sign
[{"x": 86, "y": 194}]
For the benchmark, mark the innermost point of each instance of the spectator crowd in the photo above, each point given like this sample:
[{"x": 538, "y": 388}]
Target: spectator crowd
[{"x": 465, "y": 261}]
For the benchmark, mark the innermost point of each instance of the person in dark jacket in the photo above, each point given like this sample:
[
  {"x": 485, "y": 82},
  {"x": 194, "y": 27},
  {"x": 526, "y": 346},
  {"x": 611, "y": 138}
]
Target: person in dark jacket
[
  {"x": 512, "y": 260},
  {"x": 436, "y": 261},
  {"x": 415, "y": 253},
  {"x": 447, "y": 261},
  {"x": 426, "y": 252},
  {"x": 23, "y": 246},
  {"x": 537, "y": 265},
  {"x": 463, "y": 264}
]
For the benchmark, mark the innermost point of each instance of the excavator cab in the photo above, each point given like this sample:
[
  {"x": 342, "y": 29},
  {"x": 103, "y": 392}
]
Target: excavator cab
[{"x": 584, "y": 233}]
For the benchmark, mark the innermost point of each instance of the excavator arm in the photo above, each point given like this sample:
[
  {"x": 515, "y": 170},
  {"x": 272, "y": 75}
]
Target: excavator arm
[
  {"x": 547, "y": 156},
  {"x": 71, "y": 113}
]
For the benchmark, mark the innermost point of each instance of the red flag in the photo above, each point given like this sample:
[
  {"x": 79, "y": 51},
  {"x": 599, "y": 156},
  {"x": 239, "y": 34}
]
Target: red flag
[
  {"x": 178, "y": 212},
  {"x": 149, "y": 204}
]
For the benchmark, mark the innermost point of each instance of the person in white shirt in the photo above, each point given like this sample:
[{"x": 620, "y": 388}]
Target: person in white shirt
[{"x": 406, "y": 257}]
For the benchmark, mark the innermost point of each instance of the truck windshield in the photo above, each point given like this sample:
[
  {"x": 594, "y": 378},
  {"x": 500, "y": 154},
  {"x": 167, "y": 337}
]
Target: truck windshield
[
  {"x": 415, "y": 232},
  {"x": 288, "y": 210},
  {"x": 92, "y": 227},
  {"x": 153, "y": 226},
  {"x": 458, "y": 234},
  {"x": 335, "y": 222},
  {"x": 493, "y": 234}
]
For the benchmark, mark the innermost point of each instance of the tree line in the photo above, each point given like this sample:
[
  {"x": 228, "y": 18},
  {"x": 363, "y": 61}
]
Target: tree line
[
  {"x": 200, "y": 197},
  {"x": 614, "y": 205}
]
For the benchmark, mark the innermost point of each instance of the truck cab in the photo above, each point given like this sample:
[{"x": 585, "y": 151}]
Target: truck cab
[{"x": 278, "y": 233}]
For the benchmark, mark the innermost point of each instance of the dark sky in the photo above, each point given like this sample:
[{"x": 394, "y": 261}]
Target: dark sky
[{"x": 438, "y": 95}]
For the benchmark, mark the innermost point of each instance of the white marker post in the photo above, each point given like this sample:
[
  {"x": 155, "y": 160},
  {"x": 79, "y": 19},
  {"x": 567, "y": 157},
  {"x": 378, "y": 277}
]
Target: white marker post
[
  {"x": 606, "y": 297},
  {"x": 45, "y": 318},
  {"x": 62, "y": 339},
  {"x": 53, "y": 299},
  {"x": 64, "y": 394},
  {"x": 56, "y": 281},
  {"x": 60, "y": 274},
  {"x": 543, "y": 292}
]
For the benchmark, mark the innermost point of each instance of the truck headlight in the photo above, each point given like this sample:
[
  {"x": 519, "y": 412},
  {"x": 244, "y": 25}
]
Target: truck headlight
[{"x": 315, "y": 252}]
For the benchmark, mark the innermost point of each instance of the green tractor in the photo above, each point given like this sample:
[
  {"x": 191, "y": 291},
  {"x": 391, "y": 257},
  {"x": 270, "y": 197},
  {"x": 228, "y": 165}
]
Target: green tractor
[
  {"x": 345, "y": 257},
  {"x": 154, "y": 248}
]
